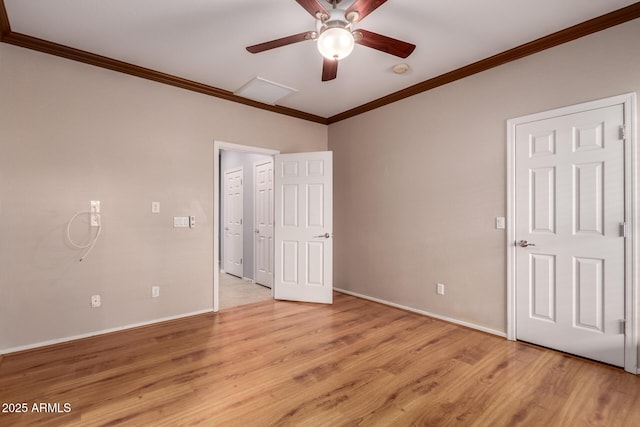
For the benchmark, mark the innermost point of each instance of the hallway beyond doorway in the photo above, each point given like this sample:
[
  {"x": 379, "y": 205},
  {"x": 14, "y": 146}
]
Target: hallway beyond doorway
[{"x": 235, "y": 291}]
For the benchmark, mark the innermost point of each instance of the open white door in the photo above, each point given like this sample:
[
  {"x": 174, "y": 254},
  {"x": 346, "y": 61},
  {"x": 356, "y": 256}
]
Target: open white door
[{"x": 304, "y": 227}]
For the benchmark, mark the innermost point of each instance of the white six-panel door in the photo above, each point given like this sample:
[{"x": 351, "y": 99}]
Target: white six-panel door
[
  {"x": 304, "y": 227},
  {"x": 570, "y": 249},
  {"x": 233, "y": 218},
  {"x": 264, "y": 222}
]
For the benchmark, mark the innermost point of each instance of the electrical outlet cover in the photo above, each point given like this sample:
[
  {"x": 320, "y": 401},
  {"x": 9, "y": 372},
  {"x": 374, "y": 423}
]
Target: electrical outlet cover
[{"x": 95, "y": 301}]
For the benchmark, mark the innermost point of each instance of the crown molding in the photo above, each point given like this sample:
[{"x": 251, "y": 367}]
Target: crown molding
[
  {"x": 591, "y": 26},
  {"x": 5, "y": 28},
  {"x": 33, "y": 43},
  {"x": 44, "y": 46}
]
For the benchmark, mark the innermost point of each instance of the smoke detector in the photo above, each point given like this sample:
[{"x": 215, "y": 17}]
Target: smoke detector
[{"x": 401, "y": 68}]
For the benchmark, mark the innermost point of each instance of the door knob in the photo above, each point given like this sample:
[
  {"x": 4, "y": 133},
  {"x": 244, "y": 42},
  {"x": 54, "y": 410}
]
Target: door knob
[
  {"x": 257, "y": 231},
  {"x": 325, "y": 235},
  {"x": 524, "y": 244}
]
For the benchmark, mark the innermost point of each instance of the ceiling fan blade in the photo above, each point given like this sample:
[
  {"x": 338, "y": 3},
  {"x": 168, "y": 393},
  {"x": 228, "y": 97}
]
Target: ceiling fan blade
[
  {"x": 313, "y": 7},
  {"x": 256, "y": 48},
  {"x": 363, "y": 8},
  {"x": 329, "y": 69},
  {"x": 385, "y": 44}
]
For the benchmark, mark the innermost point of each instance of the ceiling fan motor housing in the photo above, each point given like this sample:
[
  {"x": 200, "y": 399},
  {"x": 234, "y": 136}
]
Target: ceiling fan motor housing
[{"x": 336, "y": 18}]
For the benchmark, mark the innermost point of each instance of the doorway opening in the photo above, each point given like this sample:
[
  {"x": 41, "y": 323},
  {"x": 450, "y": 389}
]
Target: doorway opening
[{"x": 243, "y": 279}]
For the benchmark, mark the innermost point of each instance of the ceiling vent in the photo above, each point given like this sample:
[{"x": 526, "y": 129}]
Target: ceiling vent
[{"x": 265, "y": 91}]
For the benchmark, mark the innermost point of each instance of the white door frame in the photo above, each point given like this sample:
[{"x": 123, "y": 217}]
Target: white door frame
[
  {"x": 631, "y": 282},
  {"x": 217, "y": 146}
]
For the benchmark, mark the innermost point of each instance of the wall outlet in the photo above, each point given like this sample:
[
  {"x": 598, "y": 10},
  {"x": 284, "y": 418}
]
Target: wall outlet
[
  {"x": 155, "y": 291},
  {"x": 440, "y": 289},
  {"x": 95, "y": 301},
  {"x": 192, "y": 221},
  {"x": 155, "y": 207}
]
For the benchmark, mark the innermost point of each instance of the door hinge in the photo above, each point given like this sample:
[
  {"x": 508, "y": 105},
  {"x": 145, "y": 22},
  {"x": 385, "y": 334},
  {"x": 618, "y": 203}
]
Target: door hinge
[
  {"x": 240, "y": 261},
  {"x": 240, "y": 221},
  {"x": 623, "y": 132},
  {"x": 623, "y": 326},
  {"x": 623, "y": 229}
]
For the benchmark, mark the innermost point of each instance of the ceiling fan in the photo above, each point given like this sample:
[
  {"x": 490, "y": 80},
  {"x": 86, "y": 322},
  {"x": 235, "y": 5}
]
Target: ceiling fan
[{"x": 336, "y": 37}]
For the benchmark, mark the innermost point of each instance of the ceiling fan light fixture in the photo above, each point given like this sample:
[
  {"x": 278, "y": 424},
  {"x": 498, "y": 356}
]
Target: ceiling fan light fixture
[{"x": 335, "y": 43}]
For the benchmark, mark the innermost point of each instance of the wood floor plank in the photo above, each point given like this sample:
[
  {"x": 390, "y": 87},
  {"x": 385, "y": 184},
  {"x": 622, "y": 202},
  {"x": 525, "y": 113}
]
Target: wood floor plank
[{"x": 281, "y": 363}]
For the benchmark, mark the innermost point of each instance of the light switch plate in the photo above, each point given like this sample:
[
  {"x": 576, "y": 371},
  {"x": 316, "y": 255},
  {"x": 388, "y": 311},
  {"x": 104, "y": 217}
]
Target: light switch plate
[
  {"x": 500, "y": 223},
  {"x": 95, "y": 213},
  {"x": 180, "y": 221}
]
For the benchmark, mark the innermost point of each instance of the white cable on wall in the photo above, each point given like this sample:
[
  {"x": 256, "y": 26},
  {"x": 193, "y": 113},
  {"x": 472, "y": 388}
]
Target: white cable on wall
[{"x": 89, "y": 246}]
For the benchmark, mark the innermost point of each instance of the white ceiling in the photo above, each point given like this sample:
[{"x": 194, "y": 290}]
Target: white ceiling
[{"x": 205, "y": 40}]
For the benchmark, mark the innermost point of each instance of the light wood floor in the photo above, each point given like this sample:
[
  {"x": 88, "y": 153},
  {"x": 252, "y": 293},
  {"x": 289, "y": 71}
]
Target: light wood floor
[{"x": 281, "y": 363}]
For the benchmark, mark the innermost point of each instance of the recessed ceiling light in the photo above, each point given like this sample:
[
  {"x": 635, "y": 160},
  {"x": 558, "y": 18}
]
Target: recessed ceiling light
[
  {"x": 401, "y": 68},
  {"x": 263, "y": 90}
]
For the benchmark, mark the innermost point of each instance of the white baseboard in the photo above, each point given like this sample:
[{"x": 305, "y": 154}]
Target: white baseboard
[
  {"x": 102, "y": 332},
  {"x": 426, "y": 313}
]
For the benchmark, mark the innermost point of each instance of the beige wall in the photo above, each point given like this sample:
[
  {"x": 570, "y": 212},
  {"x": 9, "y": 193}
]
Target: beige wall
[
  {"x": 417, "y": 186},
  {"x": 419, "y": 182},
  {"x": 71, "y": 133}
]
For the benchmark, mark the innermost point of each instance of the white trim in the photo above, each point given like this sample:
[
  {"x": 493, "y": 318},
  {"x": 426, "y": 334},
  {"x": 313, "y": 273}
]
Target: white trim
[
  {"x": 217, "y": 146},
  {"x": 631, "y": 281},
  {"x": 425, "y": 313},
  {"x": 102, "y": 332},
  {"x": 511, "y": 220}
]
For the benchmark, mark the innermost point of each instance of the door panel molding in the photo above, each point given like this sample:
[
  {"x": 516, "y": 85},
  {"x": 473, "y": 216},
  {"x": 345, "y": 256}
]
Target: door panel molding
[{"x": 585, "y": 139}]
